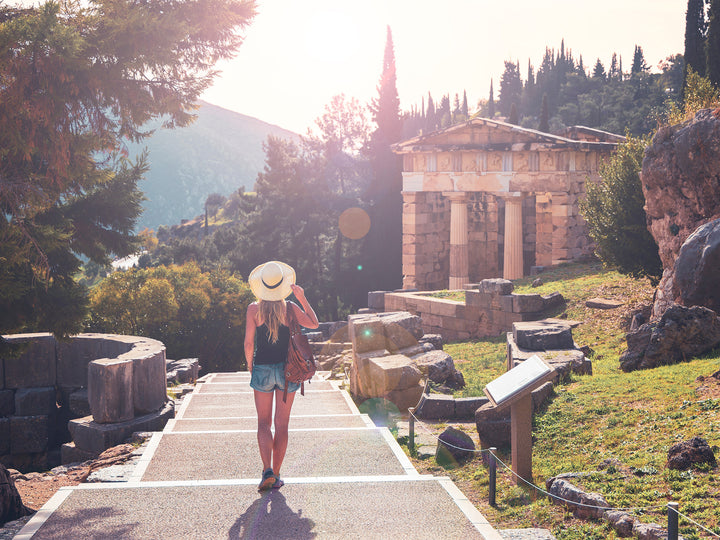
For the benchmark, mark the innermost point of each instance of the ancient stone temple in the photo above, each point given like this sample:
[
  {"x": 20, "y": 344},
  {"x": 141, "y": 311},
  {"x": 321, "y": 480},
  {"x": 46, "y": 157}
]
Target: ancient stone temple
[{"x": 487, "y": 199}]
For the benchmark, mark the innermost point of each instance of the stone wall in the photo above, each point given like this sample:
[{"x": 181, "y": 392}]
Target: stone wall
[
  {"x": 489, "y": 310},
  {"x": 44, "y": 383}
]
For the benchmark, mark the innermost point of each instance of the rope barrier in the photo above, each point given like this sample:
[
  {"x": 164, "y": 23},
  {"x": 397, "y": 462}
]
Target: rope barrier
[
  {"x": 696, "y": 524},
  {"x": 474, "y": 450},
  {"x": 530, "y": 484}
]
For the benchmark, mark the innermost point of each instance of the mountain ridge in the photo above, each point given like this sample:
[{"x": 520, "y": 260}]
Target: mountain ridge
[{"x": 220, "y": 152}]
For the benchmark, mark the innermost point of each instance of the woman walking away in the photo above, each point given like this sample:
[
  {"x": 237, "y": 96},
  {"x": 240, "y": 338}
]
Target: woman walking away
[{"x": 267, "y": 338}]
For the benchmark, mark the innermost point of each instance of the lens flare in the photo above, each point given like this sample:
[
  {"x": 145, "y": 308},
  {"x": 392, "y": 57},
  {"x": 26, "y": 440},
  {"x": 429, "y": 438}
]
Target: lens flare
[{"x": 354, "y": 223}]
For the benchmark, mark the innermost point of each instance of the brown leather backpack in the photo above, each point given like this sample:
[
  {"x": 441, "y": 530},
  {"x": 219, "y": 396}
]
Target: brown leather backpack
[{"x": 300, "y": 365}]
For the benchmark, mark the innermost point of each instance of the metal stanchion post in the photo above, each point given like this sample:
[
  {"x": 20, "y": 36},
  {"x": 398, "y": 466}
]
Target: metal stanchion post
[
  {"x": 492, "y": 474},
  {"x": 673, "y": 520},
  {"x": 411, "y": 429}
]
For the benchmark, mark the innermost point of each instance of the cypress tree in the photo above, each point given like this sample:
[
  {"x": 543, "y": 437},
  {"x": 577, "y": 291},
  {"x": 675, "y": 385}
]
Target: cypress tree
[
  {"x": 544, "y": 115},
  {"x": 513, "y": 118},
  {"x": 464, "y": 109},
  {"x": 598, "y": 70},
  {"x": 695, "y": 28},
  {"x": 639, "y": 65},
  {"x": 430, "y": 117},
  {"x": 384, "y": 244},
  {"x": 491, "y": 102},
  {"x": 712, "y": 44}
]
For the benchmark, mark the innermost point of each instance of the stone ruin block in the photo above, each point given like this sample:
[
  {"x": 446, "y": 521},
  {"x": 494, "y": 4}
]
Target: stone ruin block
[
  {"x": 338, "y": 332},
  {"x": 187, "y": 370},
  {"x": 35, "y": 401},
  {"x": 497, "y": 286},
  {"x": 35, "y": 366},
  {"x": 376, "y": 300},
  {"x": 149, "y": 381},
  {"x": 436, "y": 340},
  {"x": 367, "y": 334},
  {"x": 543, "y": 335},
  {"x": 73, "y": 359},
  {"x": 438, "y": 365},
  {"x": 527, "y": 303},
  {"x": 7, "y": 403},
  {"x": 28, "y": 434},
  {"x": 465, "y": 407},
  {"x": 94, "y": 438},
  {"x": 436, "y": 406},
  {"x": 70, "y": 453},
  {"x": 4, "y": 436},
  {"x": 391, "y": 373},
  {"x": 477, "y": 299},
  {"x": 78, "y": 403},
  {"x": 420, "y": 348},
  {"x": 110, "y": 390},
  {"x": 407, "y": 397}
]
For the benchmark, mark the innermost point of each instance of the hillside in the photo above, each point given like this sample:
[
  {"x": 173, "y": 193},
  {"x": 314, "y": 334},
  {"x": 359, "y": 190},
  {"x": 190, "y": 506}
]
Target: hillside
[{"x": 220, "y": 152}]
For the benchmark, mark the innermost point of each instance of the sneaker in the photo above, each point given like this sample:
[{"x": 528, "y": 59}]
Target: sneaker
[{"x": 268, "y": 480}]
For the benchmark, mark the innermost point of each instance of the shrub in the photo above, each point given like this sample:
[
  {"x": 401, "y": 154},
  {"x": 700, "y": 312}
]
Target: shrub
[
  {"x": 195, "y": 314},
  {"x": 614, "y": 211}
]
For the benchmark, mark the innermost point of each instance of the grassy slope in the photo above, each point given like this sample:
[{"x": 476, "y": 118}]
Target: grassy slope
[{"x": 631, "y": 418}]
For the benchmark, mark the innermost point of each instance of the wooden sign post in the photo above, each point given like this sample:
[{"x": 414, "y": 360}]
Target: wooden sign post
[{"x": 514, "y": 388}]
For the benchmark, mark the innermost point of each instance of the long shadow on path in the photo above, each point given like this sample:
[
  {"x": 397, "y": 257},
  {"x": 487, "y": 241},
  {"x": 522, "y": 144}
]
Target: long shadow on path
[{"x": 271, "y": 517}]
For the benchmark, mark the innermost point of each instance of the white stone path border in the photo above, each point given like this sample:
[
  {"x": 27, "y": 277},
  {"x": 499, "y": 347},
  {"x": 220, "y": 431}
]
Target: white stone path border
[{"x": 411, "y": 474}]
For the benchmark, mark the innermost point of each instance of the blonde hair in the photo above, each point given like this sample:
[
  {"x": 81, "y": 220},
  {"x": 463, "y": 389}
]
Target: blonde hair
[{"x": 272, "y": 314}]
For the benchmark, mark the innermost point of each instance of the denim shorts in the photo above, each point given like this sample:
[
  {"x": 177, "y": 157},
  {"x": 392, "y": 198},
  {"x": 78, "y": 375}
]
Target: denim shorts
[{"x": 270, "y": 377}]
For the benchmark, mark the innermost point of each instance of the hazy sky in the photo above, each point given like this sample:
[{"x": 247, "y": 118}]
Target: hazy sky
[{"x": 300, "y": 53}]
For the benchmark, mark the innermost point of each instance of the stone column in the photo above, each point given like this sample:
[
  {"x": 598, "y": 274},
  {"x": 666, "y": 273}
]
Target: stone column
[
  {"x": 513, "y": 259},
  {"x": 458, "y": 240}
]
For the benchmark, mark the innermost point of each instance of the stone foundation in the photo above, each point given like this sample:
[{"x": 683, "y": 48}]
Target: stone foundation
[
  {"x": 489, "y": 310},
  {"x": 45, "y": 382}
]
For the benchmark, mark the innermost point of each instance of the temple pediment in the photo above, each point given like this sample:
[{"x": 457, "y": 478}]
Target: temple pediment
[{"x": 492, "y": 135}]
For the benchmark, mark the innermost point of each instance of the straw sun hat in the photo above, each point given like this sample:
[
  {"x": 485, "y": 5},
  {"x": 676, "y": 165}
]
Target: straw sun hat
[{"x": 271, "y": 281}]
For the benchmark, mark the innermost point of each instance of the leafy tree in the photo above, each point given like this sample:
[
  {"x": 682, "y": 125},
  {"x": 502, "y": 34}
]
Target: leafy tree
[
  {"x": 712, "y": 43},
  {"x": 194, "y": 313},
  {"x": 614, "y": 211},
  {"x": 77, "y": 81},
  {"x": 213, "y": 203}
]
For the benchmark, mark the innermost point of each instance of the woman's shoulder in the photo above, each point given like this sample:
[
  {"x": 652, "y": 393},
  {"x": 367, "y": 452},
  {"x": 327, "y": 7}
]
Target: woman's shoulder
[{"x": 253, "y": 309}]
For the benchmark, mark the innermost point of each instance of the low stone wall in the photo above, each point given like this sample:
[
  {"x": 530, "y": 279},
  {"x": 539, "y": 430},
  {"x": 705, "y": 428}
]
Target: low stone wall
[
  {"x": 45, "y": 383},
  {"x": 490, "y": 308}
]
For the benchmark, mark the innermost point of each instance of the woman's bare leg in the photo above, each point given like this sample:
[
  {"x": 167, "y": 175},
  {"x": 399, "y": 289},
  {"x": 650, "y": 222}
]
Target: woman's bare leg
[
  {"x": 263, "y": 405},
  {"x": 282, "y": 420}
]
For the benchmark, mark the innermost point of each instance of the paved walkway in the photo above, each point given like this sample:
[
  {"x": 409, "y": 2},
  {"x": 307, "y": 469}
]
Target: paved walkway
[{"x": 344, "y": 478}]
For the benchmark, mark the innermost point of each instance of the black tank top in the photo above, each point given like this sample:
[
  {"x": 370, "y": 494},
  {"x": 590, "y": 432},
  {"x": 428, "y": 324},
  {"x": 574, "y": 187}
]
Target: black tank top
[{"x": 267, "y": 352}]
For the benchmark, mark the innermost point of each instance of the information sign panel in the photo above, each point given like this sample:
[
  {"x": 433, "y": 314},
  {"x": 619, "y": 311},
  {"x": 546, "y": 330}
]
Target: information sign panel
[{"x": 520, "y": 380}]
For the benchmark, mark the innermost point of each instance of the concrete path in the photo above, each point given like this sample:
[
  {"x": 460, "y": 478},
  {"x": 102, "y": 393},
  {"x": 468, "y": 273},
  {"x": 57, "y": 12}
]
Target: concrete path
[{"x": 344, "y": 478}]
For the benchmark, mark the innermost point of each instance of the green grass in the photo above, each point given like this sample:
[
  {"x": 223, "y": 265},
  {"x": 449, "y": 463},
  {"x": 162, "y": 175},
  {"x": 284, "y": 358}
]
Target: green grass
[{"x": 629, "y": 418}]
